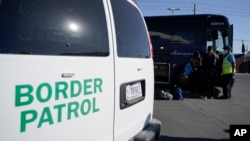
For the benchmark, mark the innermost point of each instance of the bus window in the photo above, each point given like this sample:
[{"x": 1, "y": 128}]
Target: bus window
[
  {"x": 219, "y": 41},
  {"x": 225, "y": 37},
  {"x": 187, "y": 36}
]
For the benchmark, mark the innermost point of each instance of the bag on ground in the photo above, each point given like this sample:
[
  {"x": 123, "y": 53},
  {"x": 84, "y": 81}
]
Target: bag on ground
[
  {"x": 166, "y": 95},
  {"x": 177, "y": 94}
]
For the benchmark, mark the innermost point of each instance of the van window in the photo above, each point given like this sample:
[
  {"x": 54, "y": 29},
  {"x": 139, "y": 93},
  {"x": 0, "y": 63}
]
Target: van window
[
  {"x": 132, "y": 38},
  {"x": 53, "y": 27}
]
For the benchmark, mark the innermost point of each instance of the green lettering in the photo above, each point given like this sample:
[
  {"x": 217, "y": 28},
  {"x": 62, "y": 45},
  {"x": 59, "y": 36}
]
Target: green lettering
[
  {"x": 76, "y": 88},
  {"x": 94, "y": 106},
  {"x": 59, "y": 111},
  {"x": 61, "y": 88},
  {"x": 27, "y": 117},
  {"x": 85, "y": 106},
  {"x": 87, "y": 86},
  {"x": 45, "y": 117},
  {"x": 97, "y": 85},
  {"x": 47, "y": 88},
  {"x": 72, "y": 109},
  {"x": 24, "y": 95}
]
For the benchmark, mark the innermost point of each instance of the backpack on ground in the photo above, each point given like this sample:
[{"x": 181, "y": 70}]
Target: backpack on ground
[{"x": 177, "y": 93}]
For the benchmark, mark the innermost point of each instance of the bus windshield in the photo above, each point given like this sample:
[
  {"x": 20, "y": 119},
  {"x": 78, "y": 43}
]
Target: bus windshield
[{"x": 217, "y": 38}]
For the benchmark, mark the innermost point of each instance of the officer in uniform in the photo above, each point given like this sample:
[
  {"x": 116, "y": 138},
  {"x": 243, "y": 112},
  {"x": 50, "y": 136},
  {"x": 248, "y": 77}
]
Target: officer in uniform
[{"x": 228, "y": 71}]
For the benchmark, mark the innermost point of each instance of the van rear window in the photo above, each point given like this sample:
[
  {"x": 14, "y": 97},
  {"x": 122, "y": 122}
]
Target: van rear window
[
  {"x": 53, "y": 27},
  {"x": 132, "y": 37}
]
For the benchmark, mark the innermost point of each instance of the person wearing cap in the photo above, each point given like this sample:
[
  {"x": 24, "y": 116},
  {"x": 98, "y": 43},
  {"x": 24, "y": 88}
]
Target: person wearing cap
[{"x": 228, "y": 71}]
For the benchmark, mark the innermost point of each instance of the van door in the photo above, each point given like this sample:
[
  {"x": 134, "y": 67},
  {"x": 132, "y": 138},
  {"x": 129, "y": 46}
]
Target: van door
[
  {"x": 57, "y": 71},
  {"x": 134, "y": 80}
]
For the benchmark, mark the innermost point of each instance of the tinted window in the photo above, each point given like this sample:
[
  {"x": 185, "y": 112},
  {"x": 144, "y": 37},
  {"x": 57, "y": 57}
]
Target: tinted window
[
  {"x": 53, "y": 27},
  {"x": 188, "y": 36},
  {"x": 132, "y": 38},
  {"x": 159, "y": 29}
]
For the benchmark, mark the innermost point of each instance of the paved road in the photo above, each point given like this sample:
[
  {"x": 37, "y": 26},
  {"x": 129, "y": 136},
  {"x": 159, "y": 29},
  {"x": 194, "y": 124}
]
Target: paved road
[{"x": 194, "y": 119}]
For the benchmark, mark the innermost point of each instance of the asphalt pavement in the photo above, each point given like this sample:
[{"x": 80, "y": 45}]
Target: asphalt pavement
[{"x": 195, "y": 119}]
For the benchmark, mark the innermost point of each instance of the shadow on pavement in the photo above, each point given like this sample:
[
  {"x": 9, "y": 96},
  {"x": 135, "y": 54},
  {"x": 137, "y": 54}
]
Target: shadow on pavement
[{"x": 166, "y": 138}]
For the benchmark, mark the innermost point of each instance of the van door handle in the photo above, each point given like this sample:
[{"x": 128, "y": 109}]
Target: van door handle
[{"x": 67, "y": 75}]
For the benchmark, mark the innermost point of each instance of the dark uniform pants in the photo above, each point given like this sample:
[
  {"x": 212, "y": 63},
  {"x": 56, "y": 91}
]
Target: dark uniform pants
[{"x": 228, "y": 82}]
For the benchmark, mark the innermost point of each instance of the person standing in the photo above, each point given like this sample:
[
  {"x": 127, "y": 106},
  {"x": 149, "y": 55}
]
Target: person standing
[
  {"x": 209, "y": 68},
  {"x": 228, "y": 71},
  {"x": 196, "y": 75}
]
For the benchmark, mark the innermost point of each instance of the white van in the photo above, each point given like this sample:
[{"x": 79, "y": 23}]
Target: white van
[{"x": 75, "y": 70}]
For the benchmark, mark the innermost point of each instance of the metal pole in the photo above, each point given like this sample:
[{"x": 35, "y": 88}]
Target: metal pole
[
  {"x": 194, "y": 8},
  {"x": 173, "y": 9}
]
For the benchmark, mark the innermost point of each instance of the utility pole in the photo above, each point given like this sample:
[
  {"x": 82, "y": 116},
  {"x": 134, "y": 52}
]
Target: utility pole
[
  {"x": 194, "y": 8},
  {"x": 243, "y": 50}
]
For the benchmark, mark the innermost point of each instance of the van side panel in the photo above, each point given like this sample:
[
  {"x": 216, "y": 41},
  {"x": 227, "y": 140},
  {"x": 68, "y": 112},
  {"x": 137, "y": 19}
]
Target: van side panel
[
  {"x": 37, "y": 103},
  {"x": 57, "y": 76}
]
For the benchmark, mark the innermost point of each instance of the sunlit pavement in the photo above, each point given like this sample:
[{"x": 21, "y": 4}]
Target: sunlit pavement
[{"x": 195, "y": 119}]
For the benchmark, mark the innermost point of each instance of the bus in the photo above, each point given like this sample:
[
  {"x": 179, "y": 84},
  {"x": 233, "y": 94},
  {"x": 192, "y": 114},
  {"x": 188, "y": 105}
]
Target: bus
[{"x": 176, "y": 38}]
